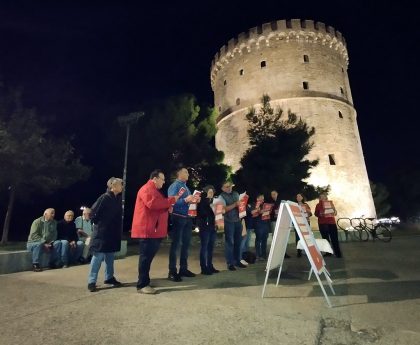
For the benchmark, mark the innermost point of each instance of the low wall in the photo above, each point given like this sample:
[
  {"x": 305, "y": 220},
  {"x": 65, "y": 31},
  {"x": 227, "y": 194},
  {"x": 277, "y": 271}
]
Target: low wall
[{"x": 21, "y": 260}]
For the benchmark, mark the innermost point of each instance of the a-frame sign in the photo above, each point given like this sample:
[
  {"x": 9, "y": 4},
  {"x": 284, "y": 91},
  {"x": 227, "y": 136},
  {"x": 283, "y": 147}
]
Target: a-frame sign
[{"x": 291, "y": 215}]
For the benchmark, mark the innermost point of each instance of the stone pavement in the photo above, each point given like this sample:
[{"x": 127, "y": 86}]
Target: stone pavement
[{"x": 377, "y": 302}]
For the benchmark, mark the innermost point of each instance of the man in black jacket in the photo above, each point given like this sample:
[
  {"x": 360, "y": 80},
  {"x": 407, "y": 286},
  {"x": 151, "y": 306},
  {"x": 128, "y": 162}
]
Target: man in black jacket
[
  {"x": 106, "y": 236},
  {"x": 71, "y": 247}
]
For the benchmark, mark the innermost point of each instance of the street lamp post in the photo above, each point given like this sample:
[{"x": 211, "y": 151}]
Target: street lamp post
[{"x": 127, "y": 121}]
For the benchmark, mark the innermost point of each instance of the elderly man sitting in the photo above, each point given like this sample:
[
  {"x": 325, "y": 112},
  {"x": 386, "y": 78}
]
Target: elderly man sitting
[
  {"x": 71, "y": 246},
  {"x": 43, "y": 239}
]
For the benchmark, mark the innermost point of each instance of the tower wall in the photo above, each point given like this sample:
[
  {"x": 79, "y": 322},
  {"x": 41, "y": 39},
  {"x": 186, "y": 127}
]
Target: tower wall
[{"x": 277, "y": 59}]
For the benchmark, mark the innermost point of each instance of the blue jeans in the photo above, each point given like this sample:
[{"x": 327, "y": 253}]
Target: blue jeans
[
  {"x": 95, "y": 265},
  {"x": 207, "y": 239},
  {"x": 262, "y": 229},
  {"x": 70, "y": 255},
  {"x": 180, "y": 234},
  {"x": 147, "y": 249},
  {"x": 37, "y": 248},
  {"x": 233, "y": 239},
  {"x": 245, "y": 242}
]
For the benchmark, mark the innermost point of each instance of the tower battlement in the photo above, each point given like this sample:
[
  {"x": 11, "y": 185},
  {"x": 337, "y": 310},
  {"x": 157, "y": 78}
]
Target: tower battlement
[{"x": 286, "y": 30}]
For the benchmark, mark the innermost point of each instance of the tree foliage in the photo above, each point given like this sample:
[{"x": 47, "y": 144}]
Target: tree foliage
[
  {"x": 404, "y": 188},
  {"x": 380, "y": 198},
  {"x": 31, "y": 159},
  {"x": 175, "y": 132},
  {"x": 276, "y": 157}
]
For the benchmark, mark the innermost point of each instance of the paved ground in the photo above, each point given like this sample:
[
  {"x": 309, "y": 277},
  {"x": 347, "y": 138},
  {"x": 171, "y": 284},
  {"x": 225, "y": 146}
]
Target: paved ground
[{"x": 377, "y": 302}]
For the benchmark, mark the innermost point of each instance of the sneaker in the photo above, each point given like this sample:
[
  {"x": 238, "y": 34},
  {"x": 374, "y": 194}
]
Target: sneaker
[
  {"x": 243, "y": 262},
  {"x": 92, "y": 287},
  {"x": 148, "y": 290},
  {"x": 113, "y": 282},
  {"x": 186, "y": 273},
  {"x": 36, "y": 268},
  {"x": 240, "y": 265},
  {"x": 213, "y": 270},
  {"x": 175, "y": 277},
  {"x": 231, "y": 268}
]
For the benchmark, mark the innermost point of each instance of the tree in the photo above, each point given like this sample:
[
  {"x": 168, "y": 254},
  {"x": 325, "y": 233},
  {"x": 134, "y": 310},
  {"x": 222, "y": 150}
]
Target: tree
[
  {"x": 380, "y": 198},
  {"x": 31, "y": 159},
  {"x": 174, "y": 132},
  {"x": 276, "y": 157},
  {"x": 404, "y": 187}
]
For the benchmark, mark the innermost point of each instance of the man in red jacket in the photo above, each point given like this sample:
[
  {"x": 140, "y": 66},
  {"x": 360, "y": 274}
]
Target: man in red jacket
[{"x": 150, "y": 225}]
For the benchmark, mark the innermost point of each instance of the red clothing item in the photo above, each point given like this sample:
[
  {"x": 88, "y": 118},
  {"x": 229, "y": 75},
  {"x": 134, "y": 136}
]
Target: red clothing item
[
  {"x": 150, "y": 219},
  {"x": 320, "y": 213}
]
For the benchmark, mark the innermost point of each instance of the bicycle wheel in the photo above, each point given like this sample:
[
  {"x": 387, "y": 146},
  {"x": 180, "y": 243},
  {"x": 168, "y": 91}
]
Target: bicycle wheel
[
  {"x": 343, "y": 223},
  {"x": 362, "y": 234},
  {"x": 383, "y": 233}
]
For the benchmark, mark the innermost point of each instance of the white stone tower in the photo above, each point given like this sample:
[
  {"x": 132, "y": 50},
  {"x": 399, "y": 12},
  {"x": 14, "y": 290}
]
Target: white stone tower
[{"x": 302, "y": 66}]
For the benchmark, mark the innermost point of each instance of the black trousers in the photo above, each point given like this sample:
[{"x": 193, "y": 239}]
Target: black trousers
[
  {"x": 147, "y": 249},
  {"x": 329, "y": 233}
]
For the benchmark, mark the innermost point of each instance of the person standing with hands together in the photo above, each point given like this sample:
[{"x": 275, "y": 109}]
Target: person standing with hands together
[
  {"x": 326, "y": 212},
  {"x": 233, "y": 227},
  {"x": 181, "y": 226},
  {"x": 150, "y": 225}
]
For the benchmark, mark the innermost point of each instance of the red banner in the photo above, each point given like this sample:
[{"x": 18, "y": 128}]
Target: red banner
[
  {"x": 242, "y": 206},
  {"x": 266, "y": 211}
]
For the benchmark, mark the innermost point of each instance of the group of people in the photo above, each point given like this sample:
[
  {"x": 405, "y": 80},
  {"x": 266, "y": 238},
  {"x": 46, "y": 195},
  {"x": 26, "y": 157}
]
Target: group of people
[
  {"x": 67, "y": 240},
  {"x": 155, "y": 217}
]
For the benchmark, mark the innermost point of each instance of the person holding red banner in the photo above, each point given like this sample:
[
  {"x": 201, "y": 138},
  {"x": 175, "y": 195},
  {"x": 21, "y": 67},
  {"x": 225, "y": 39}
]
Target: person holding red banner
[
  {"x": 181, "y": 226},
  {"x": 307, "y": 213},
  {"x": 326, "y": 212},
  {"x": 150, "y": 225},
  {"x": 249, "y": 226},
  {"x": 233, "y": 227},
  {"x": 262, "y": 227},
  {"x": 207, "y": 226},
  {"x": 275, "y": 212}
]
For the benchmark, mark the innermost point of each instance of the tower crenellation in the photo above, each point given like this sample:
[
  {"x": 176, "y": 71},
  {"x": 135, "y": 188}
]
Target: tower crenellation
[{"x": 287, "y": 30}]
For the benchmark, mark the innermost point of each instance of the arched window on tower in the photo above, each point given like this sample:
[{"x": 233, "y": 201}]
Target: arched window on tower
[
  {"x": 331, "y": 158},
  {"x": 238, "y": 101},
  {"x": 305, "y": 85},
  {"x": 263, "y": 64},
  {"x": 340, "y": 115},
  {"x": 224, "y": 82},
  {"x": 305, "y": 58},
  {"x": 342, "y": 90},
  {"x": 241, "y": 72}
]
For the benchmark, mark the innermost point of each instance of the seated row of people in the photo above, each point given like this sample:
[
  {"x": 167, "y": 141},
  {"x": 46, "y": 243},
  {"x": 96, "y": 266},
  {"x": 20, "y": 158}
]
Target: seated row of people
[{"x": 66, "y": 241}]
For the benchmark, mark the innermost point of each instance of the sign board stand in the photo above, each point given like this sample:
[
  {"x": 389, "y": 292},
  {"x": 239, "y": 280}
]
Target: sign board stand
[{"x": 291, "y": 215}]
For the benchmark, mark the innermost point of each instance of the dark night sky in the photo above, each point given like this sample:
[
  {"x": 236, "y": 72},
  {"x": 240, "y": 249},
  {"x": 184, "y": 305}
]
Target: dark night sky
[{"x": 76, "y": 60}]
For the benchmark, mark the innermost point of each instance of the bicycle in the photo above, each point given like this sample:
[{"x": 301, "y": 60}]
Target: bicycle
[
  {"x": 361, "y": 228},
  {"x": 345, "y": 224},
  {"x": 372, "y": 227}
]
